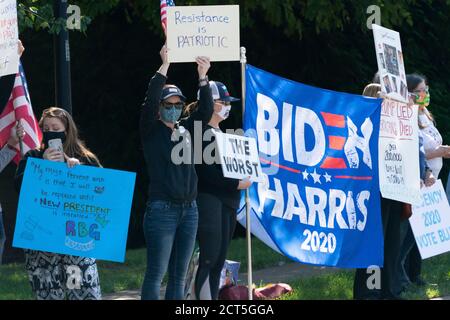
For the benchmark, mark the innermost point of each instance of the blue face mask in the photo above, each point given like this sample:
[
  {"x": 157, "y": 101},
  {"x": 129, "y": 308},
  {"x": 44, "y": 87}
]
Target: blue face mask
[{"x": 170, "y": 115}]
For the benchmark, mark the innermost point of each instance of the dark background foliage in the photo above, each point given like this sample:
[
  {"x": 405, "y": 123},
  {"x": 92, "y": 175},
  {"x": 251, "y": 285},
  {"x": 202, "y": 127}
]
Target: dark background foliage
[{"x": 321, "y": 43}]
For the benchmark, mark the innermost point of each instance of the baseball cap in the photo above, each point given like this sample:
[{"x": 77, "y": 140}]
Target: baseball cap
[
  {"x": 170, "y": 91},
  {"x": 219, "y": 92}
]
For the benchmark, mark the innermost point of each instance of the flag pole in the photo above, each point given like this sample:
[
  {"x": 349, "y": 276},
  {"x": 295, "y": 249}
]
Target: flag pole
[
  {"x": 20, "y": 142},
  {"x": 247, "y": 196}
]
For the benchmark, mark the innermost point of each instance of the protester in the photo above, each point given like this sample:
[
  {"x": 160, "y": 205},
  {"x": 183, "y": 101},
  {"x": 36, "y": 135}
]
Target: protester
[
  {"x": 410, "y": 261},
  {"x": 432, "y": 139},
  {"x": 48, "y": 272},
  {"x": 218, "y": 200},
  {"x": 390, "y": 217},
  {"x": 171, "y": 218},
  {"x": 7, "y": 153},
  {"x": 9, "y": 150}
]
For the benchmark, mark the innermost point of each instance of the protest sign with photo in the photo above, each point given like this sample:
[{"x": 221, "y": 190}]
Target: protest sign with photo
[
  {"x": 211, "y": 31},
  {"x": 430, "y": 221},
  {"x": 9, "y": 38},
  {"x": 399, "y": 152},
  {"x": 391, "y": 66},
  {"x": 83, "y": 211}
]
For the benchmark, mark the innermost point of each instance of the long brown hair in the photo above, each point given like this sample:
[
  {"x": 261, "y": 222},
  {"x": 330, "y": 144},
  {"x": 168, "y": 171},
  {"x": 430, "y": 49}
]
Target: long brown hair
[{"x": 73, "y": 146}]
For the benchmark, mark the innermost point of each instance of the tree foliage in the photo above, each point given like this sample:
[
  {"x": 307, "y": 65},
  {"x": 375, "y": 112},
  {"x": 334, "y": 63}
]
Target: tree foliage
[{"x": 292, "y": 15}]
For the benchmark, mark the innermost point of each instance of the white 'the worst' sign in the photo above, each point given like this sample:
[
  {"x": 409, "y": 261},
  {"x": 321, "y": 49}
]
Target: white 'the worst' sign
[{"x": 239, "y": 156}]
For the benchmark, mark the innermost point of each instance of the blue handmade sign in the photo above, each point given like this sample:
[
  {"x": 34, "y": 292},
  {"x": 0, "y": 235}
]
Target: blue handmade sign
[
  {"x": 83, "y": 211},
  {"x": 320, "y": 201}
]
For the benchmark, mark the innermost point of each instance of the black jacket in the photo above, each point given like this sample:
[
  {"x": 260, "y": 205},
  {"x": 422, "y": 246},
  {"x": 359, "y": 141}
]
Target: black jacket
[
  {"x": 170, "y": 181},
  {"x": 212, "y": 181}
]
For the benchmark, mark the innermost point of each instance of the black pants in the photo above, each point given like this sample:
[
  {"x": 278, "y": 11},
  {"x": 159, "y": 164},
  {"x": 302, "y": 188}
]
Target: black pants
[
  {"x": 414, "y": 264},
  {"x": 215, "y": 230},
  {"x": 390, "y": 216}
]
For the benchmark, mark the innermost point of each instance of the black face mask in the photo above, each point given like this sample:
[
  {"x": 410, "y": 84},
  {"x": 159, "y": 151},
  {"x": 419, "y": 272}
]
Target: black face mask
[{"x": 50, "y": 135}]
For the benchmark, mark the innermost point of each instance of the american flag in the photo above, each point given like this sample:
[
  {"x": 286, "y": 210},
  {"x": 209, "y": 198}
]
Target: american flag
[
  {"x": 19, "y": 108},
  {"x": 164, "y": 4}
]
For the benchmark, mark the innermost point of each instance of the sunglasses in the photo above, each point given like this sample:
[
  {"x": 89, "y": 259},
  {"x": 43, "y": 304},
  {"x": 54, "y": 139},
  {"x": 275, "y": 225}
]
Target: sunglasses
[{"x": 168, "y": 105}]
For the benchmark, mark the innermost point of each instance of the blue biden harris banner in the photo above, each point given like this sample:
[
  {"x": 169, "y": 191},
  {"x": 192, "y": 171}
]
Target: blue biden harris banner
[
  {"x": 83, "y": 211},
  {"x": 320, "y": 201}
]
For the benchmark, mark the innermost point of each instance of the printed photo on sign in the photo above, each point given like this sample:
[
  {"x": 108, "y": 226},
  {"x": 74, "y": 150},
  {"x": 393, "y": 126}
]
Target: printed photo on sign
[
  {"x": 390, "y": 53},
  {"x": 211, "y": 31},
  {"x": 391, "y": 66}
]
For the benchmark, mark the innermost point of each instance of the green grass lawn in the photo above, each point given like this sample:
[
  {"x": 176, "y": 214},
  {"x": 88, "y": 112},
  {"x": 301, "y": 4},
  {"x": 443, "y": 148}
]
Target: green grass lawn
[
  {"x": 339, "y": 285},
  {"x": 116, "y": 277}
]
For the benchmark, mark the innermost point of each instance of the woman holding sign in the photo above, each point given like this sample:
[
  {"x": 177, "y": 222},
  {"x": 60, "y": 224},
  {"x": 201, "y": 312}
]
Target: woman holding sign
[
  {"x": 218, "y": 200},
  {"x": 171, "y": 218},
  {"x": 410, "y": 261},
  {"x": 56, "y": 276}
]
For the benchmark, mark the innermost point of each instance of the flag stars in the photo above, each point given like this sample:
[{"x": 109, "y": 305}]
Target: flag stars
[
  {"x": 327, "y": 177},
  {"x": 316, "y": 177},
  {"x": 305, "y": 175}
]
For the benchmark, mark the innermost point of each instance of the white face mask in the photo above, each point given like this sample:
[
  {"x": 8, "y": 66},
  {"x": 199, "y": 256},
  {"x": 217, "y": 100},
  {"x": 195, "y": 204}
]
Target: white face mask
[{"x": 225, "y": 112}]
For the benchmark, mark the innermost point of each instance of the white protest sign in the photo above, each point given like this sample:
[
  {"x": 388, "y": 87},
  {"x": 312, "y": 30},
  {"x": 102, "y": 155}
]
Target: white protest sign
[
  {"x": 9, "y": 38},
  {"x": 211, "y": 31},
  {"x": 391, "y": 65},
  {"x": 430, "y": 222},
  {"x": 398, "y": 152},
  {"x": 239, "y": 157}
]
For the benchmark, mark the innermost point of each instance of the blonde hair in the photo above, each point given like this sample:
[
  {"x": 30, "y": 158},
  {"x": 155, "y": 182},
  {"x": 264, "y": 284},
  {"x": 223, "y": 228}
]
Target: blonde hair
[{"x": 372, "y": 90}]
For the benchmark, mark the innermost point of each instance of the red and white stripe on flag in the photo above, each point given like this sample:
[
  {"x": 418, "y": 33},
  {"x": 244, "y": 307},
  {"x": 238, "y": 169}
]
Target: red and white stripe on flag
[
  {"x": 19, "y": 107},
  {"x": 163, "y": 6}
]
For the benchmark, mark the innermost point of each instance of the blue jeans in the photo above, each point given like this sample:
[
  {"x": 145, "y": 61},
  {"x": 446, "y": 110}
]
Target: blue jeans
[
  {"x": 170, "y": 230},
  {"x": 2, "y": 236}
]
